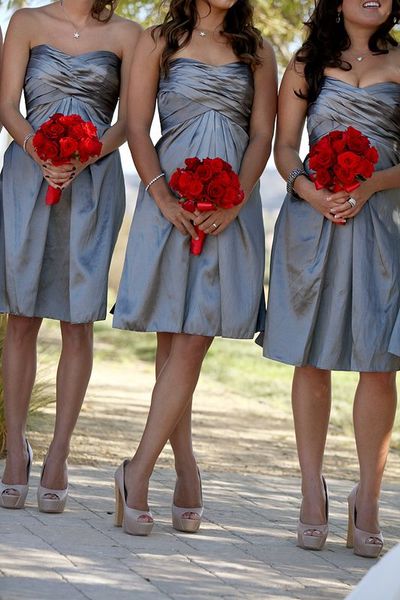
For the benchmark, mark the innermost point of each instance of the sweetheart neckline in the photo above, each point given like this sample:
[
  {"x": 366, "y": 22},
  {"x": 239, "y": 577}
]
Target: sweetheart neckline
[
  {"x": 233, "y": 62},
  {"x": 75, "y": 55},
  {"x": 364, "y": 87}
]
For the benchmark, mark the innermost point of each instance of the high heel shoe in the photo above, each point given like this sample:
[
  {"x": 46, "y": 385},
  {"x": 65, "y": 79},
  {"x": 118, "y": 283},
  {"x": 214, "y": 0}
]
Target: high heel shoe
[
  {"x": 311, "y": 536},
  {"x": 187, "y": 524},
  {"x": 8, "y": 500},
  {"x": 125, "y": 516},
  {"x": 51, "y": 505},
  {"x": 364, "y": 543}
]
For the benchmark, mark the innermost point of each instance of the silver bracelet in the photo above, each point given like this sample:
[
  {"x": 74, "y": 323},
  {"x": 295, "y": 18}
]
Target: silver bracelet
[
  {"x": 154, "y": 180},
  {"x": 26, "y": 139},
  {"x": 293, "y": 175}
]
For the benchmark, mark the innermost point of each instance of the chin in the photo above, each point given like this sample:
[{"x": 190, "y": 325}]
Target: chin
[
  {"x": 222, "y": 4},
  {"x": 371, "y": 13}
]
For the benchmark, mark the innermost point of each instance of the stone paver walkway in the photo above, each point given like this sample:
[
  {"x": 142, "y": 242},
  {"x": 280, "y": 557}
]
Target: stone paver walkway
[{"x": 245, "y": 549}]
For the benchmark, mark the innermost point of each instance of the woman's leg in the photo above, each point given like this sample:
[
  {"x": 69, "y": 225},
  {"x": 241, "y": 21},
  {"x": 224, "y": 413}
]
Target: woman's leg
[
  {"x": 172, "y": 394},
  {"x": 374, "y": 413},
  {"x": 73, "y": 376},
  {"x": 19, "y": 372},
  {"x": 311, "y": 401},
  {"x": 188, "y": 487}
]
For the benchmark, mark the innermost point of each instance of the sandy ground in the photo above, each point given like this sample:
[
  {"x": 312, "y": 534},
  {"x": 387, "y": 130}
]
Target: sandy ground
[{"x": 230, "y": 433}]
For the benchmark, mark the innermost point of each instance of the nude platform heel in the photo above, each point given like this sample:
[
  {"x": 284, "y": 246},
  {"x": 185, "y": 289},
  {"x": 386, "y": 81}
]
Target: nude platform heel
[
  {"x": 16, "y": 501},
  {"x": 364, "y": 543},
  {"x": 126, "y": 517}
]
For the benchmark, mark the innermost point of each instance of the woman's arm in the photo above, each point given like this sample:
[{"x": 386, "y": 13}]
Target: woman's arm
[
  {"x": 142, "y": 94},
  {"x": 258, "y": 150},
  {"x": 292, "y": 112}
]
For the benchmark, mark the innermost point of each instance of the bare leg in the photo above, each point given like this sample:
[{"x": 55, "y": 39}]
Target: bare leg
[
  {"x": 311, "y": 401},
  {"x": 374, "y": 413},
  {"x": 73, "y": 376},
  {"x": 171, "y": 395},
  {"x": 187, "y": 489},
  {"x": 19, "y": 372}
]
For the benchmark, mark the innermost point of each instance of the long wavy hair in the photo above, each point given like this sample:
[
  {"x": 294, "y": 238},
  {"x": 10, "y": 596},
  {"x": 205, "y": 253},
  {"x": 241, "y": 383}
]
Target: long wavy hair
[
  {"x": 327, "y": 39},
  {"x": 238, "y": 29},
  {"x": 99, "y": 6}
]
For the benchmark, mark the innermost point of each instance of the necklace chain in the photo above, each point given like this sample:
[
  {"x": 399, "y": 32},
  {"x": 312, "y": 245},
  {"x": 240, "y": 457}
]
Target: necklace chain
[
  {"x": 206, "y": 32},
  {"x": 359, "y": 57},
  {"x": 77, "y": 32}
]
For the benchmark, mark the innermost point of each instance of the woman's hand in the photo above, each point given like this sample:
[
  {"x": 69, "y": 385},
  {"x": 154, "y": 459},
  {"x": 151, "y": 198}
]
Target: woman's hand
[
  {"x": 324, "y": 201},
  {"x": 361, "y": 195},
  {"x": 179, "y": 217},
  {"x": 214, "y": 222}
]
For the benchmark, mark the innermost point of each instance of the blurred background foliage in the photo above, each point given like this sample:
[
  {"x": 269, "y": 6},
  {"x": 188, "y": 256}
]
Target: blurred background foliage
[{"x": 279, "y": 20}]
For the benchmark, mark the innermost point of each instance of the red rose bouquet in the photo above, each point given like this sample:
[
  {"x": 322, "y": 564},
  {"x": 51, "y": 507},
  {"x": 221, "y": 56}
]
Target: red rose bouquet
[
  {"x": 206, "y": 185},
  {"x": 341, "y": 159},
  {"x": 62, "y": 138}
]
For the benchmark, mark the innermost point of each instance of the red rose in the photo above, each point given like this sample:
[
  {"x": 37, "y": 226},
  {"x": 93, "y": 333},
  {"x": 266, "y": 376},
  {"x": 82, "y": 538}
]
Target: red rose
[
  {"x": 204, "y": 172},
  {"x": 336, "y": 135},
  {"x": 89, "y": 129},
  {"x": 349, "y": 161},
  {"x": 356, "y": 141},
  {"x": 89, "y": 147},
  {"x": 53, "y": 130},
  {"x": 68, "y": 147},
  {"x": 345, "y": 176},
  {"x": 365, "y": 169},
  {"x": 323, "y": 178},
  {"x": 216, "y": 164},
  {"x": 192, "y": 163},
  {"x": 324, "y": 159},
  {"x": 232, "y": 197},
  {"x": 189, "y": 186},
  {"x": 76, "y": 131},
  {"x": 174, "y": 181},
  {"x": 38, "y": 140},
  {"x": 339, "y": 145},
  {"x": 48, "y": 151},
  {"x": 70, "y": 120},
  {"x": 372, "y": 155},
  {"x": 215, "y": 190}
]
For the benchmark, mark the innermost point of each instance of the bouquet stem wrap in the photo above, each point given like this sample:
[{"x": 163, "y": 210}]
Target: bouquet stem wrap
[{"x": 196, "y": 246}]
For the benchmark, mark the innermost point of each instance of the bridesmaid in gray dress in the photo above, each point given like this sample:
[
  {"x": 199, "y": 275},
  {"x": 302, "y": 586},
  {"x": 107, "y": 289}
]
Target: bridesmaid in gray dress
[
  {"x": 334, "y": 299},
  {"x": 67, "y": 57},
  {"x": 216, "y": 96}
]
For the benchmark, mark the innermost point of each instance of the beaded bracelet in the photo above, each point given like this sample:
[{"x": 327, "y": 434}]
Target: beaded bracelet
[
  {"x": 154, "y": 180},
  {"x": 293, "y": 175},
  {"x": 26, "y": 139}
]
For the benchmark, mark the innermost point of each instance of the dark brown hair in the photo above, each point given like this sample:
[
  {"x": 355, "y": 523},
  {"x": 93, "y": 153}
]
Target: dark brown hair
[
  {"x": 238, "y": 29},
  {"x": 99, "y": 6},
  {"x": 327, "y": 38}
]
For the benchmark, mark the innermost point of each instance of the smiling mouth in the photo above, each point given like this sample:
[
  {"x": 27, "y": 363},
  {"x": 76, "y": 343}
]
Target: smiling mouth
[{"x": 371, "y": 4}]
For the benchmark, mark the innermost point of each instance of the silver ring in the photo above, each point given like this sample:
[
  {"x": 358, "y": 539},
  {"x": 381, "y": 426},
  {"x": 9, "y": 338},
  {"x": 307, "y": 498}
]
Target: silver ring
[
  {"x": 215, "y": 225},
  {"x": 352, "y": 202}
]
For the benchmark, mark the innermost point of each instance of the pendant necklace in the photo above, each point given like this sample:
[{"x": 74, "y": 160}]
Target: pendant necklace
[
  {"x": 77, "y": 33},
  {"x": 360, "y": 57},
  {"x": 207, "y": 32}
]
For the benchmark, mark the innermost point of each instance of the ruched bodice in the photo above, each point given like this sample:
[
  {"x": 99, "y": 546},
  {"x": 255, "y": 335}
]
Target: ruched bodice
[
  {"x": 87, "y": 84},
  {"x": 57, "y": 258},
  {"x": 194, "y": 88},
  {"x": 204, "y": 112},
  {"x": 334, "y": 296}
]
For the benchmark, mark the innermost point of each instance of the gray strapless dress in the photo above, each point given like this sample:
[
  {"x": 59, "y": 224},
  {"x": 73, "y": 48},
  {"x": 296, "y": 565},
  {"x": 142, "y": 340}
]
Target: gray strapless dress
[
  {"x": 204, "y": 111},
  {"x": 334, "y": 299},
  {"x": 57, "y": 258}
]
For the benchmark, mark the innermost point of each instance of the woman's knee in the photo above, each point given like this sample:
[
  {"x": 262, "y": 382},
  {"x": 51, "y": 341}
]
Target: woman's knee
[
  {"x": 22, "y": 329},
  {"x": 191, "y": 348},
  {"x": 77, "y": 335},
  {"x": 385, "y": 380}
]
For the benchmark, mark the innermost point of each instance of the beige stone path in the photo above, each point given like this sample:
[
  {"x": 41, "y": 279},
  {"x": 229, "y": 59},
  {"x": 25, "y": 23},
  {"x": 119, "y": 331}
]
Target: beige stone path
[{"x": 246, "y": 547}]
